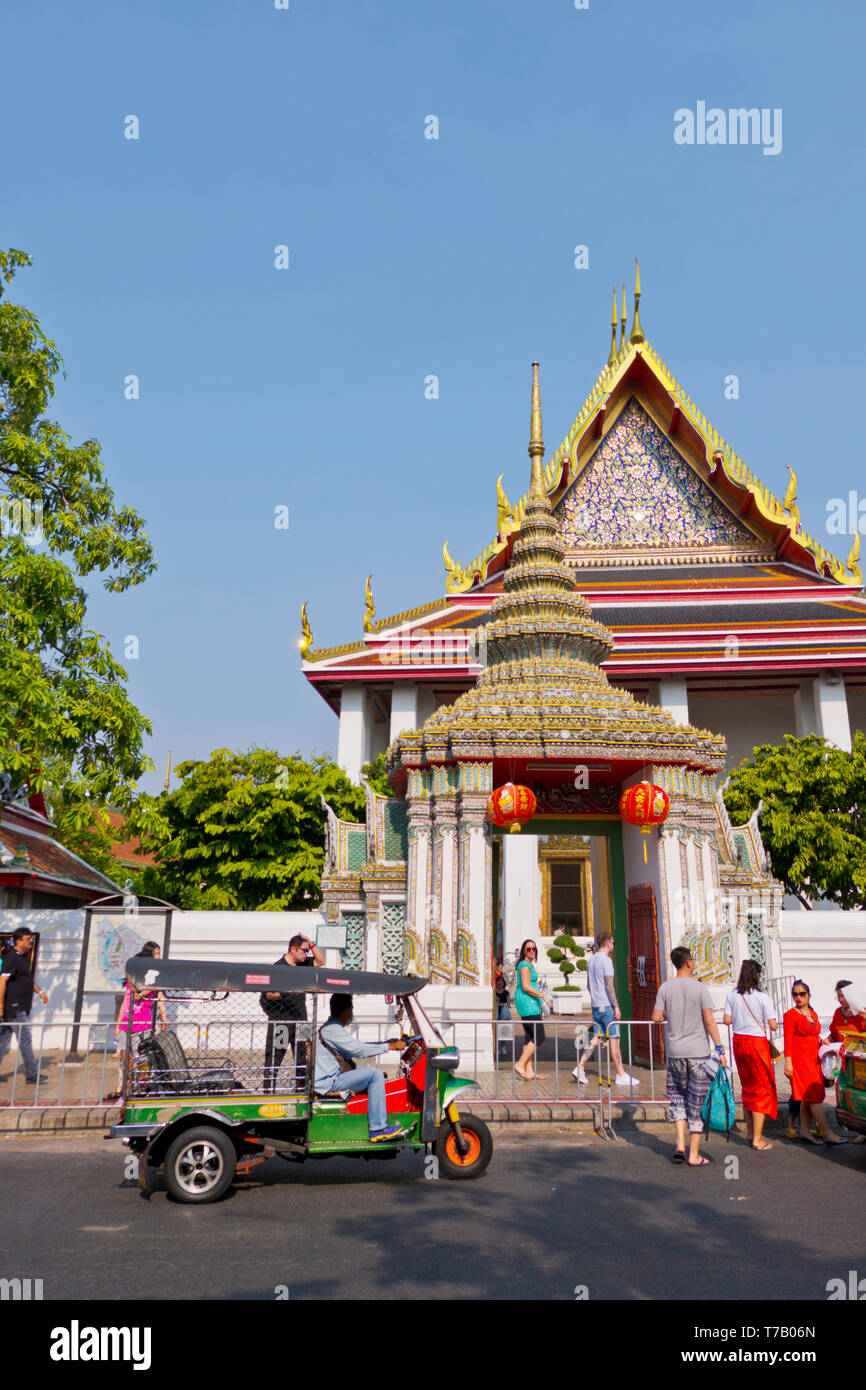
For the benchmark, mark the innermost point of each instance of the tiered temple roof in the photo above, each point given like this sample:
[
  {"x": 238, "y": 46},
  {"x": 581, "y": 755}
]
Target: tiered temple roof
[{"x": 678, "y": 547}]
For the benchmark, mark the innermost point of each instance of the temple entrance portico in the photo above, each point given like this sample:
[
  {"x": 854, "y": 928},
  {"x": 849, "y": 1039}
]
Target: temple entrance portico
[{"x": 544, "y": 712}]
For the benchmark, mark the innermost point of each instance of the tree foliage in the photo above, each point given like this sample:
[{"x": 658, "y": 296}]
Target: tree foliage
[
  {"x": 65, "y": 716},
  {"x": 244, "y": 831},
  {"x": 375, "y": 774},
  {"x": 811, "y": 820}
]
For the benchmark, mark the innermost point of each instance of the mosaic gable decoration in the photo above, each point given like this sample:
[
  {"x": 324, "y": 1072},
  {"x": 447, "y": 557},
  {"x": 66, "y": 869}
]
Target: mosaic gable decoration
[{"x": 638, "y": 492}]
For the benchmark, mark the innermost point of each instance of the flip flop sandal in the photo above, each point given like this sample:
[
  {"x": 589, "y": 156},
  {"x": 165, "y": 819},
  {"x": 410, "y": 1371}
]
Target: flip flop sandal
[
  {"x": 705, "y": 1160},
  {"x": 678, "y": 1157}
]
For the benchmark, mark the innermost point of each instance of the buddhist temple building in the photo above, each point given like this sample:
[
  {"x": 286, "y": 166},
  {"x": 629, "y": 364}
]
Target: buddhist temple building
[{"x": 646, "y": 610}]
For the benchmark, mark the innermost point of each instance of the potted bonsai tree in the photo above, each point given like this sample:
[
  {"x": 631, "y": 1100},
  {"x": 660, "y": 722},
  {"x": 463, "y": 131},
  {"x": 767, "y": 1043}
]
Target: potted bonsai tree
[{"x": 560, "y": 953}]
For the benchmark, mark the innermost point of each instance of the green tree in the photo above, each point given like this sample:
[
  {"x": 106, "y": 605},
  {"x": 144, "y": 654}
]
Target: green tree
[
  {"x": 375, "y": 774},
  {"x": 244, "y": 831},
  {"x": 811, "y": 820},
  {"x": 66, "y": 722}
]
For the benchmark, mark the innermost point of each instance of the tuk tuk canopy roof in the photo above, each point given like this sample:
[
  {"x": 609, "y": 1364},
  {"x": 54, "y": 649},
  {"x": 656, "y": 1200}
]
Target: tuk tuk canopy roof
[{"x": 207, "y": 975}]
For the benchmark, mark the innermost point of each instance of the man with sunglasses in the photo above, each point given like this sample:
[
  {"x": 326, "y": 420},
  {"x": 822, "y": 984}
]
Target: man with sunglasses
[{"x": 285, "y": 1012}]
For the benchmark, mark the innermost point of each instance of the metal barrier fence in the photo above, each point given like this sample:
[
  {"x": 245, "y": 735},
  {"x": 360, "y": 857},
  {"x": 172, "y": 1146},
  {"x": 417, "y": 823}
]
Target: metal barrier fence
[
  {"x": 779, "y": 990},
  {"x": 490, "y": 1052},
  {"x": 63, "y": 1076}
]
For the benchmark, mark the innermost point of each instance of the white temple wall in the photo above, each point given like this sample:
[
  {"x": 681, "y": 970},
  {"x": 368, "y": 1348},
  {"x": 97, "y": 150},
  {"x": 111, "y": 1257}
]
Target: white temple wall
[
  {"x": 353, "y": 748},
  {"x": 520, "y": 889},
  {"x": 821, "y": 948},
  {"x": 746, "y": 718},
  {"x": 831, "y": 708},
  {"x": 426, "y": 704},
  {"x": 805, "y": 714},
  {"x": 404, "y": 708},
  {"x": 856, "y": 695},
  {"x": 674, "y": 698}
]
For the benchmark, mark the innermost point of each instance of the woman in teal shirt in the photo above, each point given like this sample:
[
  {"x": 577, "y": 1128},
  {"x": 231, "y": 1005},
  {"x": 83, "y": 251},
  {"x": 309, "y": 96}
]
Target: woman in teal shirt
[{"x": 527, "y": 1000}]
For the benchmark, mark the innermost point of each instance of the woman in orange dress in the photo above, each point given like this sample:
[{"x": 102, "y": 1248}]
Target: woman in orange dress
[{"x": 802, "y": 1040}]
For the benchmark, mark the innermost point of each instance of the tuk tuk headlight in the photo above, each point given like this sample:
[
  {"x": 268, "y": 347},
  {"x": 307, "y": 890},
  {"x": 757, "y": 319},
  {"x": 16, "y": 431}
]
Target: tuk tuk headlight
[{"x": 446, "y": 1061}]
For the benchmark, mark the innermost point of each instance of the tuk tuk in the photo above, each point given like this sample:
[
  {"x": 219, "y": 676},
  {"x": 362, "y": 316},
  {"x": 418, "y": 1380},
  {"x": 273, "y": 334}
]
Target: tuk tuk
[
  {"x": 851, "y": 1084},
  {"x": 217, "y": 1091}
]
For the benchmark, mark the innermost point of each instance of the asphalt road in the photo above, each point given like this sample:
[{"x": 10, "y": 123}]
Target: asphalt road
[{"x": 550, "y": 1215}]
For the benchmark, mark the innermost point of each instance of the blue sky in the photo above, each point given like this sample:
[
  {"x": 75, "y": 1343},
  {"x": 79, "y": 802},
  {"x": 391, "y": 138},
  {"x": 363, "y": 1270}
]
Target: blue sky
[{"x": 408, "y": 256}]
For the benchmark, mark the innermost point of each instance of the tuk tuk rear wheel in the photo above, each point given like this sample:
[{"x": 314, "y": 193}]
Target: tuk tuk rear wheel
[
  {"x": 200, "y": 1165},
  {"x": 453, "y": 1164}
]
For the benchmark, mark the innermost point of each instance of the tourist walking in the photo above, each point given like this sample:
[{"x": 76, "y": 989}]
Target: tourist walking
[
  {"x": 751, "y": 1014},
  {"x": 17, "y": 988},
  {"x": 802, "y": 1040},
  {"x": 135, "y": 1016},
  {"x": 606, "y": 1012},
  {"x": 686, "y": 1006},
  {"x": 527, "y": 1001}
]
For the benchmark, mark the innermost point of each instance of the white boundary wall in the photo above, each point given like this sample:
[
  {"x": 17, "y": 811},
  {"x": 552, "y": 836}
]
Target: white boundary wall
[
  {"x": 821, "y": 948},
  {"x": 229, "y": 936}
]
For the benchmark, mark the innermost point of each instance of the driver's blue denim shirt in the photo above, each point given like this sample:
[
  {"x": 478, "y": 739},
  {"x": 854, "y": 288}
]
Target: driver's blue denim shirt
[{"x": 328, "y": 1072}]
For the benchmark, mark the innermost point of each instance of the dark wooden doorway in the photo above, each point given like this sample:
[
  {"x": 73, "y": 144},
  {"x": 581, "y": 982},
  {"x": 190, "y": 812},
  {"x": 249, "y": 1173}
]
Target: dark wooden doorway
[{"x": 643, "y": 969}]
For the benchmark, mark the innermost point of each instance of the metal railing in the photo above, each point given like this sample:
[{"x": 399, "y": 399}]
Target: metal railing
[
  {"x": 490, "y": 1051},
  {"x": 779, "y": 990},
  {"x": 67, "y": 1077}
]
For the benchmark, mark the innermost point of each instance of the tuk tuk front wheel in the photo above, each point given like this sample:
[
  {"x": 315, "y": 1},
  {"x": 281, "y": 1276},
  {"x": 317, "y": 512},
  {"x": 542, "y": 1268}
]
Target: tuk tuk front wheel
[
  {"x": 472, "y": 1163},
  {"x": 200, "y": 1165}
]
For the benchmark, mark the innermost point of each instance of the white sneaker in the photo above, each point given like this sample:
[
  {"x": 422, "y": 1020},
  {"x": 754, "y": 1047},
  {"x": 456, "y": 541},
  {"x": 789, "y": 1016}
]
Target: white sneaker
[
  {"x": 625, "y": 1080},
  {"x": 580, "y": 1075}
]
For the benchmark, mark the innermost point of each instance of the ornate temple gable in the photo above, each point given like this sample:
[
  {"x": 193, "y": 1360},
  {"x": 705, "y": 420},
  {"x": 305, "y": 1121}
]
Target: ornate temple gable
[
  {"x": 637, "y": 366},
  {"x": 638, "y": 494}
]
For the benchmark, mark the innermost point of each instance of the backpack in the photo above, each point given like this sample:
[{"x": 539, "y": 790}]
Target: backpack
[{"x": 718, "y": 1111}]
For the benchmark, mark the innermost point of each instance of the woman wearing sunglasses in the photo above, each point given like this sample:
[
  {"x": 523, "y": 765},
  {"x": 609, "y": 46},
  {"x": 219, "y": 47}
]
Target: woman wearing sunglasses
[
  {"x": 802, "y": 1040},
  {"x": 527, "y": 999}
]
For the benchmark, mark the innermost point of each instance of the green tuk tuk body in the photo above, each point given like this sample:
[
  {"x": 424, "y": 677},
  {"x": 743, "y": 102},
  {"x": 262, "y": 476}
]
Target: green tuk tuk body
[
  {"x": 203, "y": 1124},
  {"x": 851, "y": 1084}
]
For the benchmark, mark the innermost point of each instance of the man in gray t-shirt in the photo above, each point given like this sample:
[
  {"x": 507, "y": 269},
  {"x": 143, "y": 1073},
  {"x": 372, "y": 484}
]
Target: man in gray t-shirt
[{"x": 686, "y": 1007}]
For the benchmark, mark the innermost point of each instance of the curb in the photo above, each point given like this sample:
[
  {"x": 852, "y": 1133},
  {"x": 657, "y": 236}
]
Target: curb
[
  {"x": 517, "y": 1119},
  {"x": 34, "y": 1119}
]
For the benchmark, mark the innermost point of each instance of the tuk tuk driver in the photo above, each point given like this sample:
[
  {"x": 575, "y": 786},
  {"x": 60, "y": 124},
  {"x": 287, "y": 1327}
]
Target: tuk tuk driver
[{"x": 337, "y": 1045}]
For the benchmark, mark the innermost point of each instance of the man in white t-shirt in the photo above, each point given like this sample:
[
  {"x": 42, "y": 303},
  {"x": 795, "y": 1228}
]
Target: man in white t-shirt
[{"x": 605, "y": 1011}]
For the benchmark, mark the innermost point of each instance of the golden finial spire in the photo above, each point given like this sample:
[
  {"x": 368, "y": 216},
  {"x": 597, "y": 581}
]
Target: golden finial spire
[
  {"x": 622, "y": 321},
  {"x": 536, "y": 443},
  {"x": 851, "y": 563},
  {"x": 790, "y": 498},
  {"x": 370, "y": 609},
  {"x": 503, "y": 506},
  {"x": 306, "y": 640},
  {"x": 612, "y": 357},
  {"x": 637, "y": 333},
  {"x": 167, "y": 771}
]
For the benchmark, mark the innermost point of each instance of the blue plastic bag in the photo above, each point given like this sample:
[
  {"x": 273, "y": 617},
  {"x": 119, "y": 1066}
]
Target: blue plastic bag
[{"x": 718, "y": 1111}]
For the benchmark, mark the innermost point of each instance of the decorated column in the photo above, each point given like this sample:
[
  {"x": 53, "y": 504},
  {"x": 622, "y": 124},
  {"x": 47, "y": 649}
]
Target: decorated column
[
  {"x": 419, "y": 869},
  {"x": 474, "y": 939}
]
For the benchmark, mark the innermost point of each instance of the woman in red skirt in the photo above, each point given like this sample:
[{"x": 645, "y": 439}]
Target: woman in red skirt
[
  {"x": 802, "y": 1040},
  {"x": 751, "y": 1014}
]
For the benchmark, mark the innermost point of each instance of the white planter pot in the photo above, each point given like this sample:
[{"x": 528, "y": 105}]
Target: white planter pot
[{"x": 567, "y": 1001}]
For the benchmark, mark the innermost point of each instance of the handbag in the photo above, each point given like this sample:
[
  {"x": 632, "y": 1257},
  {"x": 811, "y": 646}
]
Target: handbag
[{"x": 775, "y": 1054}]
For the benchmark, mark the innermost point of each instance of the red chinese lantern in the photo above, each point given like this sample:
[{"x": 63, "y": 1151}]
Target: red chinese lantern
[
  {"x": 645, "y": 806},
  {"x": 511, "y": 807}
]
